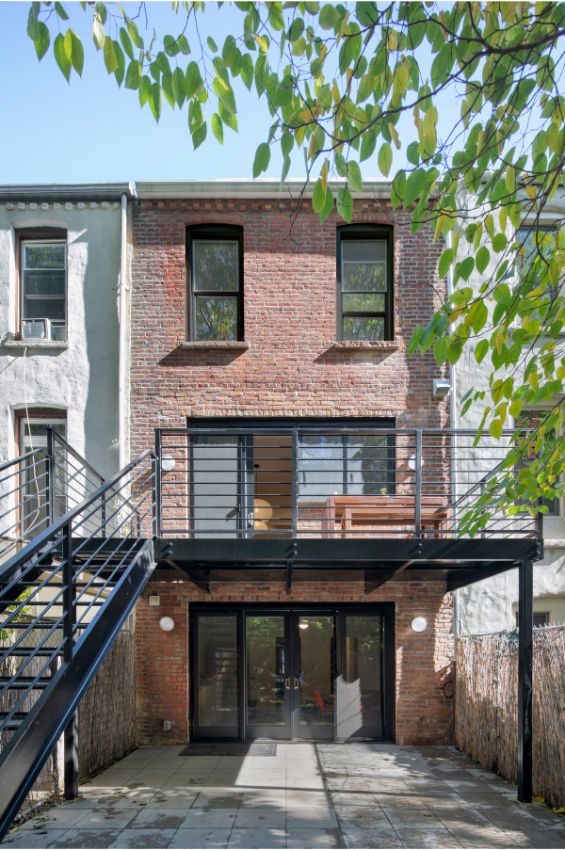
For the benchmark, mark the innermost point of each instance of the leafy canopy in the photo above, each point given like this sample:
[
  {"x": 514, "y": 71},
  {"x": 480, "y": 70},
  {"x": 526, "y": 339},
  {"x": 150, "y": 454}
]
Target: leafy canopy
[{"x": 337, "y": 80}]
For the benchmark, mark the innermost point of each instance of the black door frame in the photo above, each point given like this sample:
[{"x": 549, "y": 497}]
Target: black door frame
[{"x": 384, "y": 609}]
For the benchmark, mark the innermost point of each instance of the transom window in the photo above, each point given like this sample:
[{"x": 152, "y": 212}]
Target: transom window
[
  {"x": 43, "y": 278},
  {"x": 216, "y": 283},
  {"x": 364, "y": 254}
]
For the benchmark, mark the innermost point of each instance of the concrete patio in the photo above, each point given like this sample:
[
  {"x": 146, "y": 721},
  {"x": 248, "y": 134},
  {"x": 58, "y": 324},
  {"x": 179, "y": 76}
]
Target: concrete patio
[{"x": 306, "y": 795}]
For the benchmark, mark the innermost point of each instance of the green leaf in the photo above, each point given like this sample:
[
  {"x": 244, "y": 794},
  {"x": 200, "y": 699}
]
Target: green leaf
[
  {"x": 368, "y": 144},
  {"x": 42, "y": 40},
  {"x": 499, "y": 242},
  {"x": 385, "y": 158},
  {"x": 354, "y": 176},
  {"x": 344, "y": 204},
  {"x": 126, "y": 42},
  {"x": 246, "y": 70},
  {"x": 414, "y": 185},
  {"x": 193, "y": 79},
  {"x": 465, "y": 268},
  {"x": 61, "y": 12},
  {"x": 482, "y": 259},
  {"x": 133, "y": 75},
  {"x": 441, "y": 348},
  {"x": 478, "y": 316},
  {"x": 318, "y": 196},
  {"x": 212, "y": 44},
  {"x": 155, "y": 100},
  {"x": 134, "y": 34},
  {"x": 495, "y": 429},
  {"x": 445, "y": 262},
  {"x": 217, "y": 128},
  {"x": 481, "y": 350},
  {"x": 296, "y": 29},
  {"x": 262, "y": 159},
  {"x": 170, "y": 45},
  {"x": 61, "y": 56},
  {"x": 110, "y": 58},
  {"x": 178, "y": 86},
  {"x": 199, "y": 135},
  {"x": 328, "y": 17},
  {"x": 328, "y": 206}
]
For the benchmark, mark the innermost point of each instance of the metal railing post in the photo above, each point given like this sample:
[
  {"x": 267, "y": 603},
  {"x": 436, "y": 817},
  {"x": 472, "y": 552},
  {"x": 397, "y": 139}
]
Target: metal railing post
[
  {"x": 69, "y": 623},
  {"x": 50, "y": 475},
  {"x": 418, "y": 486},
  {"x": 157, "y": 483},
  {"x": 294, "y": 489}
]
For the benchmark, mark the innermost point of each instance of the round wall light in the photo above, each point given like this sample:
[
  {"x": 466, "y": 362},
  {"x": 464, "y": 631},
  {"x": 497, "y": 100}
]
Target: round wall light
[
  {"x": 167, "y": 463},
  {"x": 167, "y": 624},
  {"x": 419, "y": 624}
]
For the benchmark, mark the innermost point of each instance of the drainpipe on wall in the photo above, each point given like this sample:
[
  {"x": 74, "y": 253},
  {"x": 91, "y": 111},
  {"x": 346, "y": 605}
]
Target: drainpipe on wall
[
  {"x": 123, "y": 411},
  {"x": 453, "y": 424}
]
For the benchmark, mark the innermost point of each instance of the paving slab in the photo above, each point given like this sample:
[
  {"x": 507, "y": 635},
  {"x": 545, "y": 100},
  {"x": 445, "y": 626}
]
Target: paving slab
[{"x": 360, "y": 795}]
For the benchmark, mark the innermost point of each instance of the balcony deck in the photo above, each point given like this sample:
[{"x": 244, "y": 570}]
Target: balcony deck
[{"x": 386, "y": 501}]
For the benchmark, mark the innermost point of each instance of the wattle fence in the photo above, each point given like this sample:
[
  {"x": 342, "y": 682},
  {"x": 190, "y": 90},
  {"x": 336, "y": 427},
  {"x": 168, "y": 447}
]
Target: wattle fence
[{"x": 486, "y": 711}]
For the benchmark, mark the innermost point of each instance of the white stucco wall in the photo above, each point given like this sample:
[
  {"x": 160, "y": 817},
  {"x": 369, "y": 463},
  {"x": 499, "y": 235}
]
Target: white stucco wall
[
  {"x": 82, "y": 377},
  {"x": 490, "y": 605}
]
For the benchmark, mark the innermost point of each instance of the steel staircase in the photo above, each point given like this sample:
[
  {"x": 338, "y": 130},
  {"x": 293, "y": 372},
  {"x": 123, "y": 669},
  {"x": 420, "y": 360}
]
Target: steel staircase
[{"x": 75, "y": 554}]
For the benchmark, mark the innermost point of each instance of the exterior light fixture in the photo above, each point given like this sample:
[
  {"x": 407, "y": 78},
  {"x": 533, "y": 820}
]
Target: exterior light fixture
[
  {"x": 167, "y": 624},
  {"x": 441, "y": 387},
  {"x": 303, "y": 624},
  {"x": 167, "y": 463},
  {"x": 419, "y": 624},
  {"x": 412, "y": 462}
]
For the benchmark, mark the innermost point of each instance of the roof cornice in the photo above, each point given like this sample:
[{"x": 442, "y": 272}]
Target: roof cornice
[
  {"x": 66, "y": 192},
  {"x": 262, "y": 189}
]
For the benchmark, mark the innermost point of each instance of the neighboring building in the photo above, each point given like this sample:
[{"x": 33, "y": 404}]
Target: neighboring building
[
  {"x": 63, "y": 255},
  {"x": 491, "y": 605}
]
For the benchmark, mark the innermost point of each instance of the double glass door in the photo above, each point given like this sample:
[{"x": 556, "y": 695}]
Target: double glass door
[{"x": 315, "y": 674}]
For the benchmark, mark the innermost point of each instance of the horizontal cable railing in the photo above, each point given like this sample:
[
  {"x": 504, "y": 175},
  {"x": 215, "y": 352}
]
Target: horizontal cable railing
[
  {"x": 336, "y": 482},
  {"x": 54, "y": 588}
]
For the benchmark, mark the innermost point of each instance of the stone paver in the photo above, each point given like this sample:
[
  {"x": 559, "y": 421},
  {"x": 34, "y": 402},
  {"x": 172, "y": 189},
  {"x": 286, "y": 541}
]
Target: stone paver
[{"x": 308, "y": 795}]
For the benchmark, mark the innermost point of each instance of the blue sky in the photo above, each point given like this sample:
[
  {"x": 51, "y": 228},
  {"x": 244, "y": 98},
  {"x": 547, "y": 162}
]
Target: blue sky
[{"x": 89, "y": 130}]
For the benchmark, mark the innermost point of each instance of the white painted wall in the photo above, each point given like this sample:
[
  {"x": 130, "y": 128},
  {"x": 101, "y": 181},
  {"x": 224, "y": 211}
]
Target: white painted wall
[
  {"x": 82, "y": 376},
  {"x": 490, "y": 605}
]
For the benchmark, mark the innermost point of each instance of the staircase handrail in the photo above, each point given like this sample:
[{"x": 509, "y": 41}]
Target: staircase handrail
[{"x": 45, "y": 536}]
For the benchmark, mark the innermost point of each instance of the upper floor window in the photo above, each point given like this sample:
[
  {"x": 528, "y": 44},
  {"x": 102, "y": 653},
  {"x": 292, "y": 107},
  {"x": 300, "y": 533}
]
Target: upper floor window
[
  {"x": 215, "y": 256},
  {"x": 364, "y": 271},
  {"x": 43, "y": 285}
]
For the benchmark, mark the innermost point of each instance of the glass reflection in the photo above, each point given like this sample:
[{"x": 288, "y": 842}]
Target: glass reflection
[
  {"x": 266, "y": 670},
  {"x": 316, "y": 676}
]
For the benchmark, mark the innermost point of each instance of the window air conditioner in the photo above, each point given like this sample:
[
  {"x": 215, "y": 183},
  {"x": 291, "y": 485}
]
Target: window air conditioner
[{"x": 36, "y": 328}]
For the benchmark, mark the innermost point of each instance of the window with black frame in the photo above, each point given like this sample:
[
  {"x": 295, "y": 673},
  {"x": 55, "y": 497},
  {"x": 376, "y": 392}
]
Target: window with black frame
[
  {"x": 364, "y": 272},
  {"x": 215, "y": 260},
  {"x": 345, "y": 465}
]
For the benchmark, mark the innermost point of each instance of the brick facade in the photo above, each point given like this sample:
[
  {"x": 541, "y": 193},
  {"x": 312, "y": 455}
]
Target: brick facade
[
  {"x": 292, "y": 367},
  {"x": 422, "y": 661}
]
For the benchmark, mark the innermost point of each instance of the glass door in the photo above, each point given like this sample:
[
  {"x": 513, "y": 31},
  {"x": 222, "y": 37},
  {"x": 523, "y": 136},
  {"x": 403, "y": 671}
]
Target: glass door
[
  {"x": 268, "y": 690},
  {"x": 313, "y": 682},
  {"x": 216, "y": 676},
  {"x": 360, "y": 688}
]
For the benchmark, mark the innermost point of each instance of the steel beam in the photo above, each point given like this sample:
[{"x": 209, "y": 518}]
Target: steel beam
[{"x": 525, "y": 637}]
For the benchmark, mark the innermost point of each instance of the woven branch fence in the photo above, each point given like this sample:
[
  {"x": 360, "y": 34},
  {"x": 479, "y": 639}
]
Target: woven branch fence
[{"x": 486, "y": 706}]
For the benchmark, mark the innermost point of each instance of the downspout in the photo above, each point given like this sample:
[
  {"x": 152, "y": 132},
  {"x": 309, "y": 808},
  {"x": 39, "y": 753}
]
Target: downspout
[
  {"x": 453, "y": 425},
  {"x": 123, "y": 441}
]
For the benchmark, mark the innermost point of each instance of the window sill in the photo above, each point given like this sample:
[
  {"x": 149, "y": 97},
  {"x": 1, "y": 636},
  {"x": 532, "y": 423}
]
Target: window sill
[
  {"x": 365, "y": 345},
  {"x": 42, "y": 344},
  {"x": 213, "y": 345}
]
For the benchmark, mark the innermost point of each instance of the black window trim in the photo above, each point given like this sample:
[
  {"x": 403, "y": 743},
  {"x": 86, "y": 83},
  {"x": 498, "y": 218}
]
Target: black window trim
[
  {"x": 363, "y": 231},
  {"x": 213, "y": 232}
]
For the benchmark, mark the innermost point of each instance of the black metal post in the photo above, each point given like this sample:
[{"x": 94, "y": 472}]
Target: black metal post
[
  {"x": 50, "y": 483},
  {"x": 157, "y": 486},
  {"x": 525, "y": 636},
  {"x": 69, "y": 622},
  {"x": 418, "y": 486},
  {"x": 294, "y": 490},
  {"x": 103, "y": 513}
]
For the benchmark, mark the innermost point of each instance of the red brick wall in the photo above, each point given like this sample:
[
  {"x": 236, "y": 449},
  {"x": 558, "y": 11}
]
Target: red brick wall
[
  {"x": 423, "y": 710},
  {"x": 291, "y": 367}
]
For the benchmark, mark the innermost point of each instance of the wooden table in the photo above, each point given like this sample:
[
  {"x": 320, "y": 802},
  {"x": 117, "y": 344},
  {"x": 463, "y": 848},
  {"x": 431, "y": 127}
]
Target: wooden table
[{"x": 347, "y": 515}]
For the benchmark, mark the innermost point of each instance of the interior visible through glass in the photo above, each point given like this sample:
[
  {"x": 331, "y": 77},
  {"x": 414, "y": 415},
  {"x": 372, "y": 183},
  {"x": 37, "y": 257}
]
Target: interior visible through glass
[
  {"x": 267, "y": 665},
  {"x": 316, "y": 670},
  {"x": 217, "y": 686}
]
